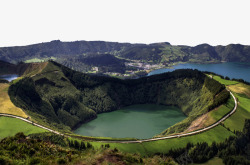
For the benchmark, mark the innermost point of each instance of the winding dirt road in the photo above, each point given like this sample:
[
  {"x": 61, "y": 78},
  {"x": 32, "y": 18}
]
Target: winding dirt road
[{"x": 142, "y": 140}]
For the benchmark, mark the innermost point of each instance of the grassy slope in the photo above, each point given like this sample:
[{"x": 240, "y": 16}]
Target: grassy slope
[
  {"x": 222, "y": 110},
  {"x": 11, "y": 126},
  {"x": 240, "y": 88},
  {"x": 34, "y": 68},
  {"x": 236, "y": 122},
  {"x": 214, "y": 161},
  {"x": 225, "y": 82},
  {"x": 217, "y": 134},
  {"x": 6, "y": 106},
  {"x": 242, "y": 93}
]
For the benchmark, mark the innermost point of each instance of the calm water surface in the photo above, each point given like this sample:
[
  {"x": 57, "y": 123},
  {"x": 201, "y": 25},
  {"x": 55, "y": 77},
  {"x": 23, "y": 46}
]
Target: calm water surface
[
  {"x": 136, "y": 121},
  {"x": 9, "y": 77},
  {"x": 230, "y": 69}
]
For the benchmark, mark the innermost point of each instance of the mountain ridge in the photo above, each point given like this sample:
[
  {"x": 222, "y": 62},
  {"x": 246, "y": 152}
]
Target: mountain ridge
[
  {"x": 66, "y": 98},
  {"x": 87, "y": 56}
]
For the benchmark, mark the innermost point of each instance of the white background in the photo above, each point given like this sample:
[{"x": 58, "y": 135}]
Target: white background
[{"x": 180, "y": 22}]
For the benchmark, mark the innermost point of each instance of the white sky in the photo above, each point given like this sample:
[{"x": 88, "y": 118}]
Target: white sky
[{"x": 180, "y": 22}]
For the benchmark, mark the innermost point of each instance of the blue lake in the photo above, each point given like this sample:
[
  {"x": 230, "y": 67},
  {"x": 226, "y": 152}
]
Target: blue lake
[
  {"x": 231, "y": 69},
  {"x": 9, "y": 77}
]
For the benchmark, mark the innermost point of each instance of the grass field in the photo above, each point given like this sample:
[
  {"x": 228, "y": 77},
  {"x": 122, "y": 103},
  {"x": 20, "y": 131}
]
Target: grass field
[
  {"x": 242, "y": 93},
  {"x": 222, "y": 110},
  {"x": 224, "y": 81},
  {"x": 214, "y": 161},
  {"x": 240, "y": 88},
  {"x": 11, "y": 126},
  {"x": 217, "y": 134},
  {"x": 6, "y": 106},
  {"x": 237, "y": 120}
]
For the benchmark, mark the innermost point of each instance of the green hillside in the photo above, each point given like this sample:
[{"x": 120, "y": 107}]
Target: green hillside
[
  {"x": 53, "y": 149},
  {"x": 64, "y": 98}
]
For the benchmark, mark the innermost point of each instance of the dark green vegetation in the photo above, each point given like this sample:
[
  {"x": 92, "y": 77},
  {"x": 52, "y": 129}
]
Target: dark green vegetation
[
  {"x": 234, "y": 150},
  {"x": 53, "y": 149},
  {"x": 83, "y": 55},
  {"x": 63, "y": 97},
  {"x": 79, "y": 55},
  {"x": 104, "y": 62}
]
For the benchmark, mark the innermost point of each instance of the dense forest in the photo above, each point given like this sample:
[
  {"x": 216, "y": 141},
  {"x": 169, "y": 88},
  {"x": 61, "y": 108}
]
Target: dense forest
[
  {"x": 83, "y": 55},
  {"x": 66, "y": 98}
]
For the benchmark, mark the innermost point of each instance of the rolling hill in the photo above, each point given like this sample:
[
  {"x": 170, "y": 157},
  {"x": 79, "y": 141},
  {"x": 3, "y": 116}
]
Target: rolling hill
[{"x": 66, "y": 98}]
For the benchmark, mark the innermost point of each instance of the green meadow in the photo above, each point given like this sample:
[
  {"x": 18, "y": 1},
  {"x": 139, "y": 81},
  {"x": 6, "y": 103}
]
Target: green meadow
[{"x": 11, "y": 126}]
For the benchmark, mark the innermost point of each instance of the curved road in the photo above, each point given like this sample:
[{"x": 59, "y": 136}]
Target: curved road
[{"x": 143, "y": 140}]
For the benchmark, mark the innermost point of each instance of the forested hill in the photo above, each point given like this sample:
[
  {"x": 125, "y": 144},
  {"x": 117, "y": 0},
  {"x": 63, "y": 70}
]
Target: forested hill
[
  {"x": 74, "y": 54},
  {"x": 58, "y": 48},
  {"x": 63, "y": 97}
]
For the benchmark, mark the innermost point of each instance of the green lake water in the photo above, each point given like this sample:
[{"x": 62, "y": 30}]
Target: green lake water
[{"x": 136, "y": 121}]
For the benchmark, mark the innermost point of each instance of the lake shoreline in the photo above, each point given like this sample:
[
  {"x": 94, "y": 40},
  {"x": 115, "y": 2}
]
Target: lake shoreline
[
  {"x": 135, "y": 121},
  {"x": 237, "y": 70}
]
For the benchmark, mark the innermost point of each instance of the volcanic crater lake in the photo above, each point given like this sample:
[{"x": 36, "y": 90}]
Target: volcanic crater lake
[{"x": 137, "y": 121}]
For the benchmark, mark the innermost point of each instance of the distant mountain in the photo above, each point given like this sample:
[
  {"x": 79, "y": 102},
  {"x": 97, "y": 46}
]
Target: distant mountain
[{"x": 83, "y": 55}]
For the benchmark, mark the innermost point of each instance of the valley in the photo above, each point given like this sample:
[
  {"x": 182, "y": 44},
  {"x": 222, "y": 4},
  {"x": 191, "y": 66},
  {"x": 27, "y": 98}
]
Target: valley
[
  {"x": 65, "y": 98},
  {"x": 60, "y": 99}
]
